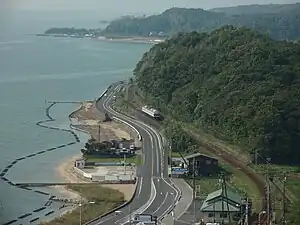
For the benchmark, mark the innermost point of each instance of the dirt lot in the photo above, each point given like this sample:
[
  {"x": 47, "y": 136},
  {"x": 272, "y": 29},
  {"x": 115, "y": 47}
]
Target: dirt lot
[{"x": 89, "y": 119}]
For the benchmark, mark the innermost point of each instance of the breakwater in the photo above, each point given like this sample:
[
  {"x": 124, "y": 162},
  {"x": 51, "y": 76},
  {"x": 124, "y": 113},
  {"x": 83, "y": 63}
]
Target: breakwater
[
  {"x": 3, "y": 173},
  {"x": 43, "y": 124}
]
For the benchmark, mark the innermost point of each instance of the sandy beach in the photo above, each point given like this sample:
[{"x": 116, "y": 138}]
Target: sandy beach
[{"x": 90, "y": 118}]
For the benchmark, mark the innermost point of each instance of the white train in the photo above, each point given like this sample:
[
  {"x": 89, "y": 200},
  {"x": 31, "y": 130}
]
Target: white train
[{"x": 151, "y": 112}]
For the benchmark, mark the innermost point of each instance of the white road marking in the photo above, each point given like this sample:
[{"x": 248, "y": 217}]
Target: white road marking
[
  {"x": 140, "y": 187},
  {"x": 143, "y": 126},
  {"x": 161, "y": 204}
]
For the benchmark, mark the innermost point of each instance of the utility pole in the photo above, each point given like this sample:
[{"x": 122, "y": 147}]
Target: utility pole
[
  {"x": 268, "y": 198},
  {"x": 225, "y": 190},
  {"x": 124, "y": 164},
  {"x": 284, "y": 202},
  {"x": 126, "y": 95},
  {"x": 171, "y": 160},
  {"x": 194, "y": 189},
  {"x": 256, "y": 156},
  {"x": 99, "y": 133},
  {"x": 247, "y": 212},
  {"x": 80, "y": 212},
  {"x": 222, "y": 198}
]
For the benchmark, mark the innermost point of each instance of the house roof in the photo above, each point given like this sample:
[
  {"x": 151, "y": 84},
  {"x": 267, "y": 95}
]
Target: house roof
[
  {"x": 215, "y": 198},
  {"x": 229, "y": 194},
  {"x": 217, "y": 207},
  {"x": 195, "y": 155}
]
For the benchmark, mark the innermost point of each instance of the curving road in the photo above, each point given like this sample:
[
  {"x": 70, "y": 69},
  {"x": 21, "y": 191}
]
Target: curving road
[{"x": 155, "y": 194}]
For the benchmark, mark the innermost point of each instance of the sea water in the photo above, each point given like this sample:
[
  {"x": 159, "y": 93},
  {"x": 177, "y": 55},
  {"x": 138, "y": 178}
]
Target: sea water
[{"x": 34, "y": 69}]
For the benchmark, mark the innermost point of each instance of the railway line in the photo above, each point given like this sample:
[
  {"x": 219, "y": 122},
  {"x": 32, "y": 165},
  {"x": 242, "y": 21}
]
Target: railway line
[{"x": 230, "y": 159}]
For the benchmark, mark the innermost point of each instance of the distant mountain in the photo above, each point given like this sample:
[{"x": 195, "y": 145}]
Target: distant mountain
[
  {"x": 258, "y": 9},
  {"x": 281, "y": 23}
]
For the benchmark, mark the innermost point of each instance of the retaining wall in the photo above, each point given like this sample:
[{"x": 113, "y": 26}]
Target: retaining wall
[{"x": 84, "y": 174}]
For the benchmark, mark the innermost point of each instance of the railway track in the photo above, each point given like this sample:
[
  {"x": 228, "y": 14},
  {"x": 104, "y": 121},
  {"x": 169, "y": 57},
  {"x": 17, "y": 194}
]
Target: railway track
[{"x": 230, "y": 159}]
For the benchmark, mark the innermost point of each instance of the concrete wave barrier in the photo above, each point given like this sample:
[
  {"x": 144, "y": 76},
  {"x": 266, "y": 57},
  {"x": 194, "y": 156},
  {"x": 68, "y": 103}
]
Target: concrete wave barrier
[
  {"x": 103, "y": 93},
  {"x": 39, "y": 209},
  {"x": 10, "y": 222},
  {"x": 43, "y": 125},
  {"x": 10, "y": 166},
  {"x": 33, "y": 220}
]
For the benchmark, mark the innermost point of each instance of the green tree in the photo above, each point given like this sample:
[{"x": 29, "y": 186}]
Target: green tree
[{"x": 235, "y": 82}]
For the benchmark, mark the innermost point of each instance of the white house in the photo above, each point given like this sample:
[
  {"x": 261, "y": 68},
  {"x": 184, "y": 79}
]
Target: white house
[
  {"x": 80, "y": 163},
  {"x": 221, "y": 207}
]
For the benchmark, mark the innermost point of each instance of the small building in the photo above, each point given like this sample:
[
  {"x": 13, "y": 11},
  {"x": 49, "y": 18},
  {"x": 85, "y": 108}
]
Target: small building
[
  {"x": 204, "y": 165},
  {"x": 221, "y": 207},
  {"x": 80, "y": 163},
  {"x": 178, "y": 162},
  {"x": 144, "y": 219}
]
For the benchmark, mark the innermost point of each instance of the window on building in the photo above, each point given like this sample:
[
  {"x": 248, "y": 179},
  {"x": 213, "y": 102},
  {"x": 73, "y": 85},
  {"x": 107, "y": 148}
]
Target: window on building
[
  {"x": 210, "y": 215},
  {"x": 208, "y": 162},
  {"x": 223, "y": 215}
]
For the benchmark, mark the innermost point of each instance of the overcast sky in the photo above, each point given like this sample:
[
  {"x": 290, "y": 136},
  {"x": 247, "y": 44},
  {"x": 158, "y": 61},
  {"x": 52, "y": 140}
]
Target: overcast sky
[{"x": 125, "y": 6}]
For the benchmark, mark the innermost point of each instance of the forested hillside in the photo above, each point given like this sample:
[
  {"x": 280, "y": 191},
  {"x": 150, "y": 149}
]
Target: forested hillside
[
  {"x": 235, "y": 82},
  {"x": 280, "y": 24},
  {"x": 258, "y": 9}
]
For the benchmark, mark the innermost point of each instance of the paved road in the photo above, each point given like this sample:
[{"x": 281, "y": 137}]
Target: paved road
[
  {"x": 155, "y": 193},
  {"x": 183, "y": 205}
]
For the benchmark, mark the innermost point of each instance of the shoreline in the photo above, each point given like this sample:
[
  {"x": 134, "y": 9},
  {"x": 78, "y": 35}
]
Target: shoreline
[
  {"x": 65, "y": 169},
  {"x": 133, "y": 39}
]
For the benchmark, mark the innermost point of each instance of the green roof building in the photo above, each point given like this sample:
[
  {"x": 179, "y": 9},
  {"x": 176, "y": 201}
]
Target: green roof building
[{"x": 220, "y": 206}]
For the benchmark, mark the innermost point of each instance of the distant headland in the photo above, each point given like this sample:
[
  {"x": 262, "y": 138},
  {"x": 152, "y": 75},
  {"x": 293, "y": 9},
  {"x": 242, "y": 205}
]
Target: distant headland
[{"x": 99, "y": 34}]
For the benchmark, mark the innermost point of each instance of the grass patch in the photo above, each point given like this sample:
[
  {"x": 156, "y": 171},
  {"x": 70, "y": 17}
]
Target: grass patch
[
  {"x": 236, "y": 181},
  {"x": 123, "y": 105},
  {"x": 206, "y": 184},
  {"x": 105, "y": 200},
  {"x": 137, "y": 159}
]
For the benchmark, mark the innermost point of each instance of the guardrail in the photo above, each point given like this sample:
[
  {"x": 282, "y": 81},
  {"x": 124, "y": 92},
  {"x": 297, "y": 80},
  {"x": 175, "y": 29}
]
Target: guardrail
[
  {"x": 132, "y": 127},
  {"x": 117, "y": 208},
  {"x": 103, "y": 93}
]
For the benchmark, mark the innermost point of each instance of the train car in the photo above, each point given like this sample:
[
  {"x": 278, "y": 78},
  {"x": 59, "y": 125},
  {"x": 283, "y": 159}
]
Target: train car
[{"x": 151, "y": 112}]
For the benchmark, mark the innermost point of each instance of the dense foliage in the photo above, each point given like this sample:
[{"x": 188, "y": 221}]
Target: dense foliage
[
  {"x": 234, "y": 82},
  {"x": 67, "y": 31},
  {"x": 77, "y": 32},
  {"x": 279, "y": 24},
  {"x": 258, "y": 9},
  {"x": 180, "y": 141}
]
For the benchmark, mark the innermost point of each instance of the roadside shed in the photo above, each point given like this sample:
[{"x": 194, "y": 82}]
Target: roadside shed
[{"x": 204, "y": 165}]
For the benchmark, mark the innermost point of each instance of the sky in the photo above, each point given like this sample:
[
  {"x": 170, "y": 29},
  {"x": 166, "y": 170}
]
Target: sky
[
  {"x": 125, "y": 6},
  {"x": 37, "y": 15}
]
